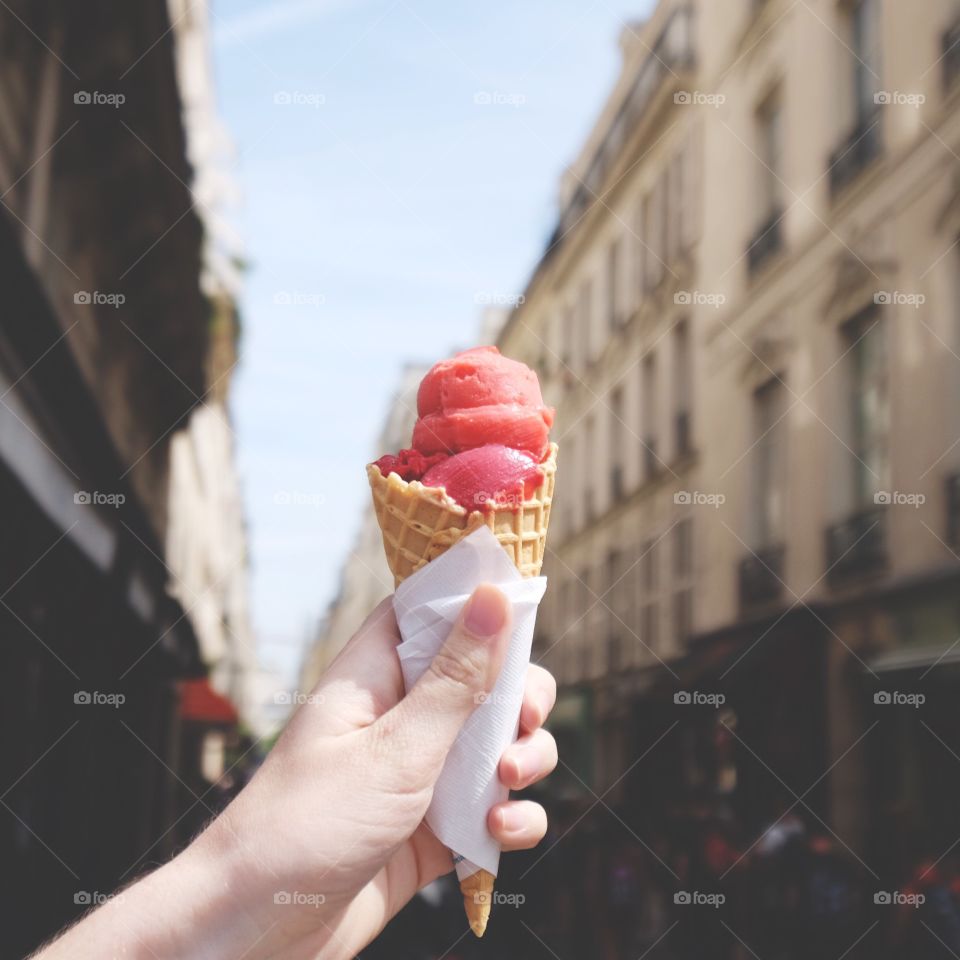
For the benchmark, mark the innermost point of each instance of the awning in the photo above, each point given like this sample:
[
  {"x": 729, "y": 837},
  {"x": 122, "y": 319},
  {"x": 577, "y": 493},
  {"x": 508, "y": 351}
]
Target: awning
[
  {"x": 200, "y": 703},
  {"x": 915, "y": 658}
]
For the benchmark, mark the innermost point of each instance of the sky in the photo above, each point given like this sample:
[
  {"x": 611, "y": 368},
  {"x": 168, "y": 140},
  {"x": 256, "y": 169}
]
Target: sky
[{"x": 398, "y": 162}]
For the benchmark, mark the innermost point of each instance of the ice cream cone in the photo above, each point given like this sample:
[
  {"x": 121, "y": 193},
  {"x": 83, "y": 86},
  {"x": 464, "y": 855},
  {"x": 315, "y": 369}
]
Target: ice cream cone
[
  {"x": 420, "y": 523},
  {"x": 477, "y": 890}
]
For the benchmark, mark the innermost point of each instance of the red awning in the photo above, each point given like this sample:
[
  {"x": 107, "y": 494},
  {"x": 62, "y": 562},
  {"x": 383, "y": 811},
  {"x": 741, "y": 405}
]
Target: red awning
[{"x": 200, "y": 703}]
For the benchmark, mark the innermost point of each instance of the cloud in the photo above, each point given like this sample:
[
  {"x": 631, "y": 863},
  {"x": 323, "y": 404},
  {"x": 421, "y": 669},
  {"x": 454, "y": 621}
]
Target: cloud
[{"x": 271, "y": 17}]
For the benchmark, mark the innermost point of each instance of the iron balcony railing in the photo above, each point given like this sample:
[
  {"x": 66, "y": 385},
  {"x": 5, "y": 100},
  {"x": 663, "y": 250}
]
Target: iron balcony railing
[
  {"x": 859, "y": 149},
  {"x": 857, "y": 546},
  {"x": 761, "y": 576}
]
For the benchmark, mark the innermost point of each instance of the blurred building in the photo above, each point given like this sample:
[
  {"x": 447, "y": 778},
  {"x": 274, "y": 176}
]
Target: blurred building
[
  {"x": 122, "y": 566},
  {"x": 604, "y": 322},
  {"x": 747, "y": 320},
  {"x": 365, "y": 578}
]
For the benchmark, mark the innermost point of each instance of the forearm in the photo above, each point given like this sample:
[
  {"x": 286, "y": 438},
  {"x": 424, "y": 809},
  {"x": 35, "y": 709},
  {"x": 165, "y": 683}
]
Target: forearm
[{"x": 189, "y": 909}]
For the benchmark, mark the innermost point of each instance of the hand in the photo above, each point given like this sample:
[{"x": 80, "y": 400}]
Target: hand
[
  {"x": 333, "y": 821},
  {"x": 337, "y": 810}
]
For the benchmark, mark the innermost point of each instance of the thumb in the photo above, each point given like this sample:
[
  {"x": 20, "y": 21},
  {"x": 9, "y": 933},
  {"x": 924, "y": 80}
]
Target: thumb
[{"x": 424, "y": 724}]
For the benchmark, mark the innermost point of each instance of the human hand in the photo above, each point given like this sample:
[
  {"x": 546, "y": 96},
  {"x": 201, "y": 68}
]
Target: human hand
[{"x": 334, "y": 818}]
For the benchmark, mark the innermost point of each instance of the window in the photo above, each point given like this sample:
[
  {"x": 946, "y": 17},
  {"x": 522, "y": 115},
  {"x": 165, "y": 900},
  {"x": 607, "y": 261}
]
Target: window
[
  {"x": 614, "y": 613},
  {"x": 614, "y": 309},
  {"x": 648, "y": 415},
  {"x": 682, "y": 615},
  {"x": 648, "y": 567},
  {"x": 682, "y": 603},
  {"x": 770, "y": 153},
  {"x": 865, "y": 48},
  {"x": 649, "y": 611},
  {"x": 617, "y": 486},
  {"x": 640, "y": 260},
  {"x": 683, "y": 549},
  {"x": 653, "y": 228},
  {"x": 589, "y": 464},
  {"x": 586, "y": 351},
  {"x": 569, "y": 490},
  {"x": 675, "y": 206},
  {"x": 868, "y": 405},
  {"x": 568, "y": 339},
  {"x": 768, "y": 464},
  {"x": 662, "y": 194},
  {"x": 586, "y": 667},
  {"x": 681, "y": 388}
]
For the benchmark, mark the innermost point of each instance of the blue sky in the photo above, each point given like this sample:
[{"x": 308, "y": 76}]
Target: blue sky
[{"x": 379, "y": 200}]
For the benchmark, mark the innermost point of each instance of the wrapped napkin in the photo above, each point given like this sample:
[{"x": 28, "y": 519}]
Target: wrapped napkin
[{"x": 427, "y": 604}]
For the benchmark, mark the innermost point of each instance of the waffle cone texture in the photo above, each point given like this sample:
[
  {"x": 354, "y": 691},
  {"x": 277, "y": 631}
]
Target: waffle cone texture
[{"x": 420, "y": 523}]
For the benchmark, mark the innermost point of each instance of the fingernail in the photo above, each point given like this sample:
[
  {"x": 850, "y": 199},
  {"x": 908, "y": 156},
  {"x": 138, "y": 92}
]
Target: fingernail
[
  {"x": 525, "y": 761},
  {"x": 511, "y": 819},
  {"x": 486, "y": 611},
  {"x": 543, "y": 705}
]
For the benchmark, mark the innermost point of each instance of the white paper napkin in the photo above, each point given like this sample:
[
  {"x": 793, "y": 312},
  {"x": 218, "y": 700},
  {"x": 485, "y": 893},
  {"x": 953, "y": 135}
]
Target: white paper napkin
[{"x": 427, "y": 605}]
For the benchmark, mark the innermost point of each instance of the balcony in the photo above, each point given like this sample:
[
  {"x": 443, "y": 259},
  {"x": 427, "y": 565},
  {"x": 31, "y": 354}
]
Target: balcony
[
  {"x": 761, "y": 576},
  {"x": 857, "y": 547},
  {"x": 951, "y": 55},
  {"x": 858, "y": 150},
  {"x": 765, "y": 242},
  {"x": 953, "y": 509}
]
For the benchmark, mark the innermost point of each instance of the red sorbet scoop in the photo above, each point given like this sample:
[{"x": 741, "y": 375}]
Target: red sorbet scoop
[
  {"x": 480, "y": 397},
  {"x": 493, "y": 475}
]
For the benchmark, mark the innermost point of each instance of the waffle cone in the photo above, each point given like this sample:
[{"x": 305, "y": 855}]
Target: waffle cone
[
  {"x": 477, "y": 890},
  {"x": 420, "y": 523}
]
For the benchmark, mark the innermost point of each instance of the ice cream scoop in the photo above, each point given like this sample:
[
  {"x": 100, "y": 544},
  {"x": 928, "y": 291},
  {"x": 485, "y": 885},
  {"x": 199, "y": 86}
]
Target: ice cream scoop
[
  {"x": 479, "y": 397},
  {"x": 493, "y": 475},
  {"x": 482, "y": 431}
]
